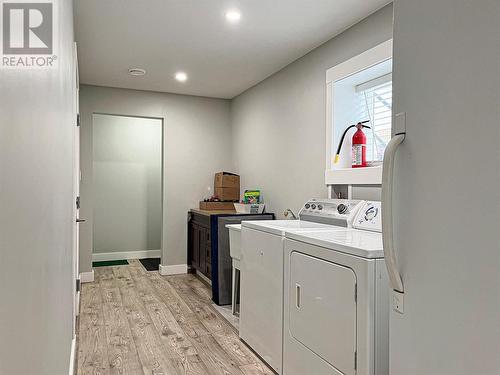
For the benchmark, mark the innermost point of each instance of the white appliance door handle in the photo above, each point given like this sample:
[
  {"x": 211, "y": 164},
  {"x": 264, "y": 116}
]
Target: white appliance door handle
[
  {"x": 387, "y": 222},
  {"x": 297, "y": 296}
]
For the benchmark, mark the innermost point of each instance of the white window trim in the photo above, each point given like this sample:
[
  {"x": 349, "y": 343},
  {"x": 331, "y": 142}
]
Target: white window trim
[
  {"x": 374, "y": 82},
  {"x": 365, "y": 60}
]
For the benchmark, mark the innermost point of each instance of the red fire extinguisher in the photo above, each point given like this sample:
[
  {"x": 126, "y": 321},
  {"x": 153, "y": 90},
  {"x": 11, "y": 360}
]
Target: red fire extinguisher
[{"x": 358, "y": 145}]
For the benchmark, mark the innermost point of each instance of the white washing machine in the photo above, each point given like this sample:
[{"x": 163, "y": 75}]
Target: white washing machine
[
  {"x": 336, "y": 304},
  {"x": 261, "y": 289}
]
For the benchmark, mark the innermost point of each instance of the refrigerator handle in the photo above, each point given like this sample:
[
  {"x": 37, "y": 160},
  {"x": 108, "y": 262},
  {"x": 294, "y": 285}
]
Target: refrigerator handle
[{"x": 387, "y": 222}]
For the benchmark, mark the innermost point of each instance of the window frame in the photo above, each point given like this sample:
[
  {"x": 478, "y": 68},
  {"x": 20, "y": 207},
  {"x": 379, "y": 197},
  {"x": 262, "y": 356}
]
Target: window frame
[{"x": 356, "y": 176}]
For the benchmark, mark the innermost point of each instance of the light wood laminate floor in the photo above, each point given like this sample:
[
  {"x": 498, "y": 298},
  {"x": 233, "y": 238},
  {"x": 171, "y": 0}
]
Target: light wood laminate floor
[{"x": 140, "y": 323}]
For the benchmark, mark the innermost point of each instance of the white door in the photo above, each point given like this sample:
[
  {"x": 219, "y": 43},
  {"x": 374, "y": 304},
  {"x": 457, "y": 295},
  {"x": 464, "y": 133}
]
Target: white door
[{"x": 322, "y": 308}]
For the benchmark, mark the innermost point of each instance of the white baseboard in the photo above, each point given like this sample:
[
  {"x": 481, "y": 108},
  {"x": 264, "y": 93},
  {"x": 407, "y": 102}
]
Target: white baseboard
[
  {"x": 176, "y": 269},
  {"x": 87, "y": 277},
  {"x": 101, "y": 257},
  {"x": 72, "y": 357}
]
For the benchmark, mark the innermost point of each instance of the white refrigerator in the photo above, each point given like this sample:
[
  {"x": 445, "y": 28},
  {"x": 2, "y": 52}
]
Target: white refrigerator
[{"x": 441, "y": 189}]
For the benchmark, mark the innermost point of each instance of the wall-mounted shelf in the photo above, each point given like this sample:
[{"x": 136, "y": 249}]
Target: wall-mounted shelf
[{"x": 354, "y": 176}]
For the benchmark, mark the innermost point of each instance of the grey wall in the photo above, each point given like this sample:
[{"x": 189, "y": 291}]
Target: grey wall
[
  {"x": 279, "y": 124},
  {"x": 198, "y": 144},
  {"x": 36, "y": 212},
  {"x": 127, "y": 165},
  {"x": 448, "y": 256},
  {"x": 274, "y": 134}
]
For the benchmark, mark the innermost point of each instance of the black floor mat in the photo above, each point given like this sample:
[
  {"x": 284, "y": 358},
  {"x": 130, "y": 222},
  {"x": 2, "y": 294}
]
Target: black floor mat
[
  {"x": 151, "y": 264},
  {"x": 108, "y": 263}
]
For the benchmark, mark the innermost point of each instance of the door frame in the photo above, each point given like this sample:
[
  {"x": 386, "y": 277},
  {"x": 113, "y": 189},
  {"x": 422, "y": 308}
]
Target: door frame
[
  {"x": 76, "y": 192},
  {"x": 163, "y": 238}
]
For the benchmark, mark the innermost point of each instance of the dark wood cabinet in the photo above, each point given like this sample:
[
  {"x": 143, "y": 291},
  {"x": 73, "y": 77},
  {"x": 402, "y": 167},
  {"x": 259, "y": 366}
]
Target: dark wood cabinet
[
  {"x": 199, "y": 246},
  {"x": 203, "y": 250},
  {"x": 208, "y": 247},
  {"x": 194, "y": 237}
]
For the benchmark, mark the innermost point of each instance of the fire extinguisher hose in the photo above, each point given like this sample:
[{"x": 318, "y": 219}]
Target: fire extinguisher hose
[{"x": 337, "y": 154}]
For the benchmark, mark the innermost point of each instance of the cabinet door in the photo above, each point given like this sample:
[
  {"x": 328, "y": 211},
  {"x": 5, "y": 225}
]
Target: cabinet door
[
  {"x": 208, "y": 256},
  {"x": 190, "y": 242},
  {"x": 195, "y": 248},
  {"x": 203, "y": 249}
]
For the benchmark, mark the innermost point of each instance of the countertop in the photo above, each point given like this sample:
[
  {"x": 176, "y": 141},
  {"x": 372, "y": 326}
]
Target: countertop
[
  {"x": 214, "y": 212},
  {"x": 224, "y": 212}
]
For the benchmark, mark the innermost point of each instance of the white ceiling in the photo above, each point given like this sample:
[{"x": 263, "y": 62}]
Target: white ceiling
[{"x": 221, "y": 60}]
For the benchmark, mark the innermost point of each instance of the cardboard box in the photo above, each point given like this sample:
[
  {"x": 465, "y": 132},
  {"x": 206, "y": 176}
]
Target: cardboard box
[
  {"x": 227, "y": 180},
  {"x": 228, "y": 193},
  {"x": 217, "y": 206}
]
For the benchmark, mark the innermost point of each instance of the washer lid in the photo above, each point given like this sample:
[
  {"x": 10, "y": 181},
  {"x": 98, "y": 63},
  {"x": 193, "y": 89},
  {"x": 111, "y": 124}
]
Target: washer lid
[
  {"x": 347, "y": 240},
  {"x": 280, "y": 227}
]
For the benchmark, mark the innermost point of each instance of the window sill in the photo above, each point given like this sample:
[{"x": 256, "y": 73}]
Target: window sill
[{"x": 354, "y": 176}]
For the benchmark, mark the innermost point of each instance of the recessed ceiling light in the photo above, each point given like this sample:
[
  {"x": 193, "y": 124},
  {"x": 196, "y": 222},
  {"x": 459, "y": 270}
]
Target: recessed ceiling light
[
  {"x": 136, "y": 71},
  {"x": 181, "y": 76},
  {"x": 233, "y": 16}
]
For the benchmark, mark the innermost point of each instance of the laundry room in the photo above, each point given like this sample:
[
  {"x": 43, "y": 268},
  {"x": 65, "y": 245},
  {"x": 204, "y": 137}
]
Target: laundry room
[{"x": 249, "y": 187}]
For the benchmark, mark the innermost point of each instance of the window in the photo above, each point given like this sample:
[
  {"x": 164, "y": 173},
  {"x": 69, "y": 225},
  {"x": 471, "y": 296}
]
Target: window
[
  {"x": 358, "y": 90},
  {"x": 374, "y": 103}
]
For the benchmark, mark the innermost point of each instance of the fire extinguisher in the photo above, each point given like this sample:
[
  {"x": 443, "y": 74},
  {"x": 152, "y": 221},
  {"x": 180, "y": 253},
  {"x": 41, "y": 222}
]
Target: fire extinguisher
[{"x": 358, "y": 145}]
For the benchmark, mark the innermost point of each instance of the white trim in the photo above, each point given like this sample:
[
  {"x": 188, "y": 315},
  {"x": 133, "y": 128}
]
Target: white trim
[
  {"x": 111, "y": 110},
  {"x": 72, "y": 357},
  {"x": 329, "y": 126},
  {"x": 164, "y": 191},
  {"x": 374, "y": 82},
  {"x": 87, "y": 277},
  {"x": 354, "y": 176},
  {"x": 119, "y": 255},
  {"x": 371, "y": 57},
  {"x": 176, "y": 269}
]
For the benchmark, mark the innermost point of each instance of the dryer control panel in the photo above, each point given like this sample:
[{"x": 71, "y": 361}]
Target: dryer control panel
[
  {"x": 369, "y": 217},
  {"x": 330, "y": 211}
]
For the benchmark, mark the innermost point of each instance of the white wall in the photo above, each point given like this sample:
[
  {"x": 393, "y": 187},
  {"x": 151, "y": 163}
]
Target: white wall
[
  {"x": 127, "y": 161},
  {"x": 198, "y": 144},
  {"x": 279, "y": 124},
  {"x": 37, "y": 122}
]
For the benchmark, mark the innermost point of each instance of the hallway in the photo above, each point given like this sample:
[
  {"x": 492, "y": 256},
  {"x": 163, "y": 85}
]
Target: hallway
[{"x": 138, "y": 322}]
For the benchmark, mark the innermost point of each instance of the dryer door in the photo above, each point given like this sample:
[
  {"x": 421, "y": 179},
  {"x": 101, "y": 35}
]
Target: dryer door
[{"x": 323, "y": 309}]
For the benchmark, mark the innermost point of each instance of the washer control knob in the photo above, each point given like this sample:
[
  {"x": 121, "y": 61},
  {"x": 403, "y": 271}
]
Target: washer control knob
[
  {"x": 313, "y": 206},
  {"x": 371, "y": 213},
  {"x": 341, "y": 208},
  {"x": 307, "y": 205},
  {"x": 320, "y": 207}
]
